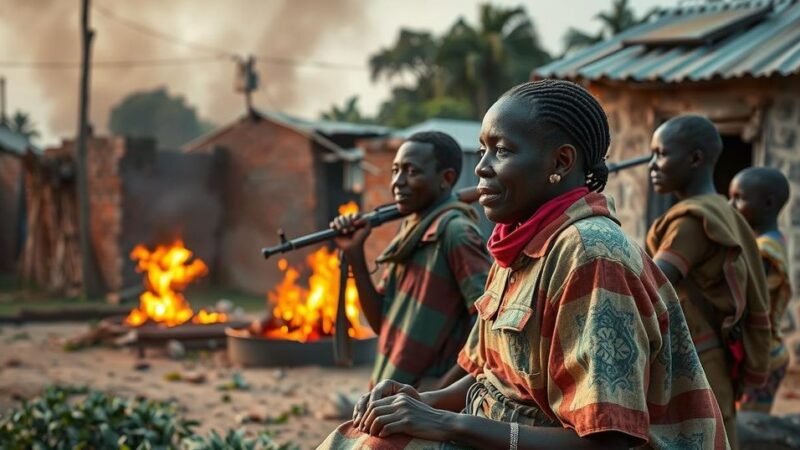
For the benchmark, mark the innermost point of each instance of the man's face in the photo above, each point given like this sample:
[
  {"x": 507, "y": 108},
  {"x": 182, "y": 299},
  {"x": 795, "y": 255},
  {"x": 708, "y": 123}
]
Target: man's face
[
  {"x": 671, "y": 166},
  {"x": 514, "y": 168},
  {"x": 416, "y": 184},
  {"x": 742, "y": 196}
]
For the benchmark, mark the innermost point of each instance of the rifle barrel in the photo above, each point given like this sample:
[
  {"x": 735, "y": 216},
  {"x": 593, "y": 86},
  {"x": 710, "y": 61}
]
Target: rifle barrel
[{"x": 390, "y": 212}]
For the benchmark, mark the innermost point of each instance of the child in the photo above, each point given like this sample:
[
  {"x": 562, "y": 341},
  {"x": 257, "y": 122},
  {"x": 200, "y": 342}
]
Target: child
[
  {"x": 708, "y": 252},
  {"x": 759, "y": 194}
]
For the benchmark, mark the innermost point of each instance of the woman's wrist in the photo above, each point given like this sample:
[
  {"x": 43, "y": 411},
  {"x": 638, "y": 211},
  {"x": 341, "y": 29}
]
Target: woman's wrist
[{"x": 453, "y": 425}]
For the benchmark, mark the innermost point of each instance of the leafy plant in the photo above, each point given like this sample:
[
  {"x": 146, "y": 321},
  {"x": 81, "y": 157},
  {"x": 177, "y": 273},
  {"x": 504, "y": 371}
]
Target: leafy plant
[
  {"x": 57, "y": 420},
  {"x": 234, "y": 440},
  {"x": 237, "y": 383},
  {"x": 68, "y": 417}
]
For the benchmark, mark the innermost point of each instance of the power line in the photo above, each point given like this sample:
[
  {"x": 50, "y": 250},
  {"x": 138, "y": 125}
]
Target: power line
[
  {"x": 158, "y": 34},
  {"x": 275, "y": 60},
  {"x": 110, "y": 64}
]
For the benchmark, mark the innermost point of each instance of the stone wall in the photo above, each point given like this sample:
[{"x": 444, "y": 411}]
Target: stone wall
[
  {"x": 759, "y": 112},
  {"x": 781, "y": 142}
]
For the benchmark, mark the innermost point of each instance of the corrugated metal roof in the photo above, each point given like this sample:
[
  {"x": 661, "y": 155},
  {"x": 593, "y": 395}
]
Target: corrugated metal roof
[
  {"x": 465, "y": 132},
  {"x": 770, "y": 47},
  {"x": 326, "y": 127},
  {"x": 15, "y": 143}
]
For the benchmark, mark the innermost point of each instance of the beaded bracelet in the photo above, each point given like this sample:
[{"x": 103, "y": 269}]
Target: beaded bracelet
[{"x": 514, "y": 440}]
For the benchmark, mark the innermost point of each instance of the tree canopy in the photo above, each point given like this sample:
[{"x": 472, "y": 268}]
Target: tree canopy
[
  {"x": 159, "y": 115},
  {"x": 458, "y": 74}
]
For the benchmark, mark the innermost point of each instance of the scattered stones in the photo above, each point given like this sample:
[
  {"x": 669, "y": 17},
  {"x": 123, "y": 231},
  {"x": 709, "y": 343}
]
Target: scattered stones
[
  {"x": 175, "y": 349},
  {"x": 194, "y": 377},
  {"x": 12, "y": 362},
  {"x": 224, "y": 306},
  {"x": 141, "y": 365}
]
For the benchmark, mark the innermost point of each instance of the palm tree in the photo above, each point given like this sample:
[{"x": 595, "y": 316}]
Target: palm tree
[
  {"x": 412, "y": 55},
  {"x": 620, "y": 18},
  {"x": 21, "y": 124},
  {"x": 350, "y": 112},
  {"x": 482, "y": 62}
]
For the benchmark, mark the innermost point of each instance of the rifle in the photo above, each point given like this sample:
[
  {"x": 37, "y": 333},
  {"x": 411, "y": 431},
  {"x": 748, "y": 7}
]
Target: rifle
[{"x": 389, "y": 212}]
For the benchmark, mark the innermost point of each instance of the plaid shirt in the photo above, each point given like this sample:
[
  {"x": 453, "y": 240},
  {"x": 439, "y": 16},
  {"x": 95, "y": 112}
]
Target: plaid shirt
[
  {"x": 428, "y": 301},
  {"x": 585, "y": 327}
]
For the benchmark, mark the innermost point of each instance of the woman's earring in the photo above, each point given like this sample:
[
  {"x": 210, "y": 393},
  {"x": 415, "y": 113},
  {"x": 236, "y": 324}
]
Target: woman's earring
[{"x": 555, "y": 178}]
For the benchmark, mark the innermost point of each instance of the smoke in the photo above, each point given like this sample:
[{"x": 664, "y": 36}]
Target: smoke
[{"x": 48, "y": 30}]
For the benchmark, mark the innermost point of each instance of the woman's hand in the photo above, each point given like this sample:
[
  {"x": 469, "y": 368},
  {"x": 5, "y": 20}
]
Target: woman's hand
[
  {"x": 402, "y": 413},
  {"x": 354, "y": 231},
  {"x": 385, "y": 388}
]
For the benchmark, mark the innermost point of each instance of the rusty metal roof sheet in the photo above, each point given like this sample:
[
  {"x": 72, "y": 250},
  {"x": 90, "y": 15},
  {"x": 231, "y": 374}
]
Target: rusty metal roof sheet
[
  {"x": 750, "y": 39},
  {"x": 15, "y": 143}
]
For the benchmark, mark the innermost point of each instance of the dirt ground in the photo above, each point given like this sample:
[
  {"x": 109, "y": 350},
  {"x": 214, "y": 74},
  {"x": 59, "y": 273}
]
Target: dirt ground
[{"x": 32, "y": 357}]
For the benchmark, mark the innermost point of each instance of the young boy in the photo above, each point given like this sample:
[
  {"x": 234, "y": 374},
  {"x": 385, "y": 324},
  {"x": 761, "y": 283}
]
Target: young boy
[
  {"x": 708, "y": 252},
  {"x": 435, "y": 268},
  {"x": 759, "y": 194}
]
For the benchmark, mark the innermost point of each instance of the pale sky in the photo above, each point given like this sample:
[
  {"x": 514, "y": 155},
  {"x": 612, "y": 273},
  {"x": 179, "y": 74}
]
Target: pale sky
[{"x": 338, "y": 31}]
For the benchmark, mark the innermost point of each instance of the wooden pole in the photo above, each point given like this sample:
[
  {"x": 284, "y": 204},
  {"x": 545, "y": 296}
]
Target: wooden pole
[
  {"x": 91, "y": 285},
  {"x": 3, "y": 101}
]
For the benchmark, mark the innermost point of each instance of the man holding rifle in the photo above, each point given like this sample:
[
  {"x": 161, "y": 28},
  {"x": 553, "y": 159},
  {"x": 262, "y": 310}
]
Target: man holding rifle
[{"x": 433, "y": 271}]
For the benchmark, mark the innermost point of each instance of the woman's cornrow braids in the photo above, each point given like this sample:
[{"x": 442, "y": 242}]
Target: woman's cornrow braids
[{"x": 576, "y": 112}]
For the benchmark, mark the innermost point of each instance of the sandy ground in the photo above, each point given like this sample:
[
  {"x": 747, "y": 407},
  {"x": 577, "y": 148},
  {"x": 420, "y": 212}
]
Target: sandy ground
[{"x": 32, "y": 357}]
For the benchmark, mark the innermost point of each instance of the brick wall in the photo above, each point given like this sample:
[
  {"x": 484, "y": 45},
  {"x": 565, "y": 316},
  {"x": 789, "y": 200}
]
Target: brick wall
[
  {"x": 268, "y": 184},
  {"x": 10, "y": 173}
]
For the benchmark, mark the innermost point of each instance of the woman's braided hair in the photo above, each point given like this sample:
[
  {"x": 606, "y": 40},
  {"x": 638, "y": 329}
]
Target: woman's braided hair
[{"x": 577, "y": 113}]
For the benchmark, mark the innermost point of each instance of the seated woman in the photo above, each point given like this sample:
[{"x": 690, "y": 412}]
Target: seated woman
[{"x": 581, "y": 342}]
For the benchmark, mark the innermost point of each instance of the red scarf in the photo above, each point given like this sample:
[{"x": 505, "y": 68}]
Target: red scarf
[{"x": 507, "y": 241}]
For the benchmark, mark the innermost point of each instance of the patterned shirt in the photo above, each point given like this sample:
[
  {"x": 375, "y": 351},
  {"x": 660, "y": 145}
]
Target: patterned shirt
[
  {"x": 585, "y": 327},
  {"x": 428, "y": 301},
  {"x": 772, "y": 247}
]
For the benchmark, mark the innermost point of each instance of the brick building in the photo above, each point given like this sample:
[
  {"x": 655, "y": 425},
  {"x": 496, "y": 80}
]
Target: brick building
[
  {"x": 285, "y": 173},
  {"x": 736, "y": 62},
  {"x": 137, "y": 195},
  {"x": 13, "y": 148}
]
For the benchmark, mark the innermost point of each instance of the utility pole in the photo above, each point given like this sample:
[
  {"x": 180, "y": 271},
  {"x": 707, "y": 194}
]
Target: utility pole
[
  {"x": 246, "y": 80},
  {"x": 3, "y": 119},
  {"x": 91, "y": 283}
]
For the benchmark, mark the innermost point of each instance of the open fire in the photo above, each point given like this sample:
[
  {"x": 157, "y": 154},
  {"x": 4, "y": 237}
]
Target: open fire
[
  {"x": 168, "y": 270},
  {"x": 308, "y": 313}
]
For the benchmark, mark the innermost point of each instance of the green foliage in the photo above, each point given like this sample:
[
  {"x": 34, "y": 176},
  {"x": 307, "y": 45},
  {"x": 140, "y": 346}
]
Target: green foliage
[
  {"x": 159, "y": 115},
  {"x": 456, "y": 75},
  {"x": 22, "y": 124},
  {"x": 93, "y": 421},
  {"x": 618, "y": 19},
  {"x": 234, "y": 440},
  {"x": 350, "y": 112},
  {"x": 237, "y": 383},
  {"x": 77, "y": 418}
]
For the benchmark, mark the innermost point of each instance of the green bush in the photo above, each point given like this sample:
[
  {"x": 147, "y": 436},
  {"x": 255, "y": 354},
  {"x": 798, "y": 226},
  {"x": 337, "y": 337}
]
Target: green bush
[{"x": 76, "y": 418}]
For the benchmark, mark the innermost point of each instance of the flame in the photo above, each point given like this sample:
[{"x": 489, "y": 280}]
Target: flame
[
  {"x": 308, "y": 313},
  {"x": 348, "y": 208},
  {"x": 168, "y": 270}
]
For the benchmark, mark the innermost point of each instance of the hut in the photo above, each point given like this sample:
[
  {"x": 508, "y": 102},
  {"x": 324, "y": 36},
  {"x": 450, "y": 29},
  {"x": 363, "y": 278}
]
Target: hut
[{"x": 737, "y": 62}]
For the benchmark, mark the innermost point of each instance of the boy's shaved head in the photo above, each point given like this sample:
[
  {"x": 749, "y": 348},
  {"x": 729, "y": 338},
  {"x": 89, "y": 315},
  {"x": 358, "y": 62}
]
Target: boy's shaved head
[
  {"x": 693, "y": 132},
  {"x": 765, "y": 182}
]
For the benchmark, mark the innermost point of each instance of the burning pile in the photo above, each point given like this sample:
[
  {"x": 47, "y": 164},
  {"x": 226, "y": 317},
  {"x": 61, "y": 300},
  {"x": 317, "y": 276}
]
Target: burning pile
[
  {"x": 168, "y": 270},
  {"x": 306, "y": 314}
]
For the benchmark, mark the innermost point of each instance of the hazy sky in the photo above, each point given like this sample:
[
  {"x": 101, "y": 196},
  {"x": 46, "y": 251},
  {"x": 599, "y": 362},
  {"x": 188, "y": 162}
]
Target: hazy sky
[{"x": 345, "y": 32}]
